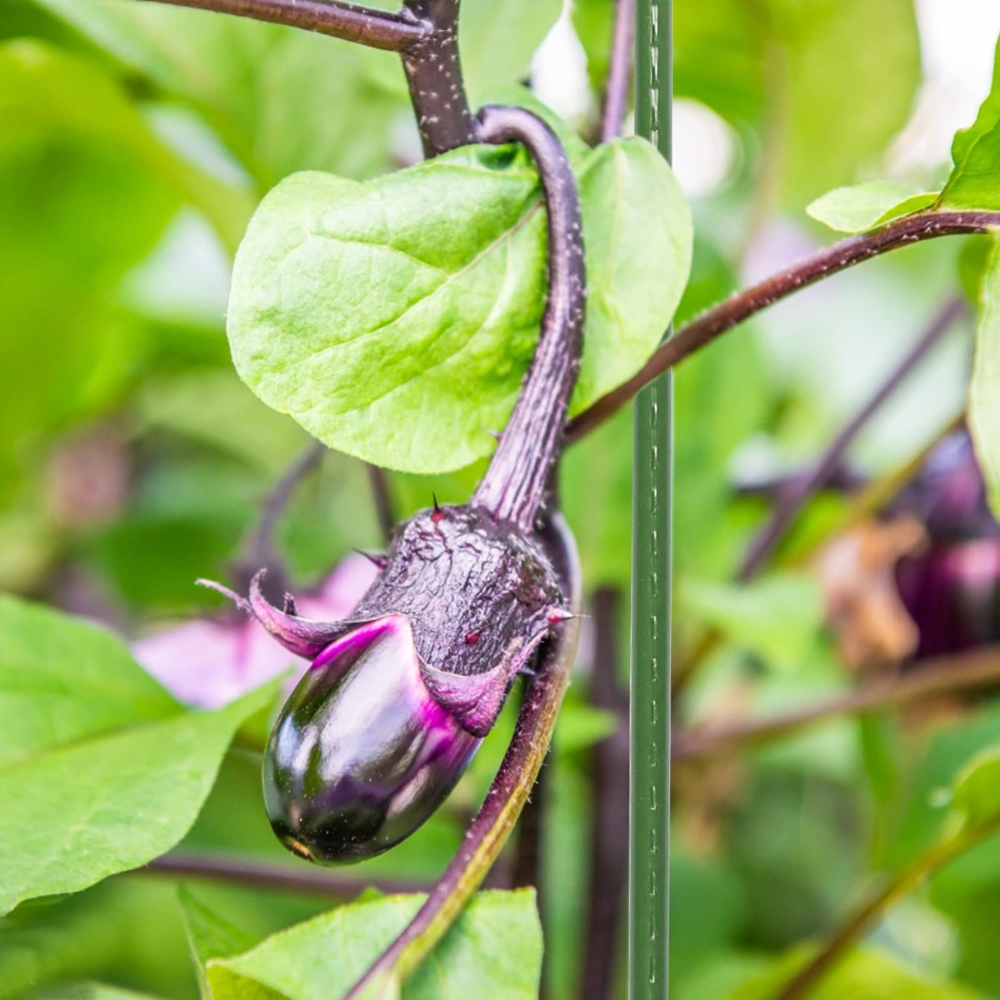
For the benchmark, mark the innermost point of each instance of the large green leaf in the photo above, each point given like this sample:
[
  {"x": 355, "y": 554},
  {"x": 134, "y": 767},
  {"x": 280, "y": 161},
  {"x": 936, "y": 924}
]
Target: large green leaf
[
  {"x": 211, "y": 936},
  {"x": 395, "y": 319},
  {"x": 839, "y": 54},
  {"x": 282, "y": 99},
  {"x": 779, "y": 617},
  {"x": 977, "y": 788},
  {"x": 931, "y": 773},
  {"x": 91, "y": 991},
  {"x": 78, "y": 211},
  {"x": 91, "y": 787},
  {"x": 62, "y": 681},
  {"x": 803, "y": 72},
  {"x": 497, "y": 39},
  {"x": 865, "y": 973},
  {"x": 497, "y": 941},
  {"x": 44, "y": 91},
  {"x": 719, "y": 55},
  {"x": 984, "y": 397}
]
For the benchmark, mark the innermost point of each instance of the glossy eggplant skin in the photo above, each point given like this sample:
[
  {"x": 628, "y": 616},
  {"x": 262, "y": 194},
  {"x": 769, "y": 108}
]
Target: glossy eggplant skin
[{"x": 361, "y": 754}]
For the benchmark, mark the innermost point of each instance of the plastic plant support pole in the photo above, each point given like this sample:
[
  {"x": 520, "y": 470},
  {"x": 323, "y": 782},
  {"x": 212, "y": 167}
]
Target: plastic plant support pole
[{"x": 649, "y": 715}]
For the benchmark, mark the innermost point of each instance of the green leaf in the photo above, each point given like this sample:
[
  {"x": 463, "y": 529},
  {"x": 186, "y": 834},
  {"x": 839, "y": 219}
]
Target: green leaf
[
  {"x": 864, "y": 206},
  {"x": 976, "y": 794},
  {"x": 497, "y": 39},
  {"x": 975, "y": 181},
  {"x": 713, "y": 902},
  {"x": 93, "y": 788},
  {"x": 930, "y": 778},
  {"x": 395, "y": 319},
  {"x": 581, "y": 725},
  {"x": 63, "y": 681},
  {"x": 707, "y": 543},
  {"x": 91, "y": 991},
  {"x": 497, "y": 940},
  {"x": 984, "y": 398},
  {"x": 210, "y": 936},
  {"x": 44, "y": 91},
  {"x": 778, "y": 616},
  {"x": 282, "y": 99},
  {"x": 863, "y": 973},
  {"x": 837, "y": 55},
  {"x": 78, "y": 212},
  {"x": 595, "y": 478},
  {"x": 213, "y": 407},
  {"x": 804, "y": 72}
]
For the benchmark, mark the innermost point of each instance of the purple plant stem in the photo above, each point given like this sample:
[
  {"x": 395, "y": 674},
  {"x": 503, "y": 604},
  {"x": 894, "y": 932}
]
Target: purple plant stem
[
  {"x": 797, "y": 495},
  {"x": 977, "y": 668},
  {"x": 505, "y": 800},
  {"x": 384, "y": 510},
  {"x": 424, "y": 32},
  {"x": 513, "y": 487},
  {"x": 609, "y": 774},
  {"x": 434, "y": 75},
  {"x": 619, "y": 70},
  {"x": 262, "y": 552},
  {"x": 528, "y": 869},
  {"x": 714, "y": 322},
  {"x": 352, "y": 22},
  {"x": 269, "y": 875}
]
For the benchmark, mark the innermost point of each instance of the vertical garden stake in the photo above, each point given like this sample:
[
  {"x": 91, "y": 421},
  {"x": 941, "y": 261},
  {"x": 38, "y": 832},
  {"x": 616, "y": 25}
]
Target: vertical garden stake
[{"x": 649, "y": 813}]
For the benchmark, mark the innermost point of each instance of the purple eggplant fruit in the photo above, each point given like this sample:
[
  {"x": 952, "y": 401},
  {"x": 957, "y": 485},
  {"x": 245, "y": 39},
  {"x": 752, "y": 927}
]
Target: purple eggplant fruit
[{"x": 401, "y": 694}]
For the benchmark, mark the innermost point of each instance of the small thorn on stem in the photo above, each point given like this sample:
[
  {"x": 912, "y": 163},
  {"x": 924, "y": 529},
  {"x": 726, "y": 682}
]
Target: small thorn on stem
[
  {"x": 557, "y": 615},
  {"x": 438, "y": 514},
  {"x": 378, "y": 561}
]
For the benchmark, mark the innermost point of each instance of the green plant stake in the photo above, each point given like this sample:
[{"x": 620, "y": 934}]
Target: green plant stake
[{"x": 649, "y": 847}]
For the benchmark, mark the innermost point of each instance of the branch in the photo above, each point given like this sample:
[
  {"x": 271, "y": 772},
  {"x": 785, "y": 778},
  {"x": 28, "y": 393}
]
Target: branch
[
  {"x": 619, "y": 70},
  {"x": 869, "y": 501},
  {"x": 528, "y": 867},
  {"x": 715, "y": 321},
  {"x": 940, "y": 675},
  {"x": 260, "y": 552},
  {"x": 384, "y": 510},
  {"x": 609, "y": 777},
  {"x": 793, "y": 500},
  {"x": 802, "y": 982},
  {"x": 424, "y": 33},
  {"x": 268, "y": 875},
  {"x": 378, "y": 29},
  {"x": 434, "y": 75},
  {"x": 505, "y": 800}
]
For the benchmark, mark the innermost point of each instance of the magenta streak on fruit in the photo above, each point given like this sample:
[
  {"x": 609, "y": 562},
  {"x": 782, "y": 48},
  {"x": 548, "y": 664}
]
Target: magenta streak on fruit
[{"x": 355, "y": 764}]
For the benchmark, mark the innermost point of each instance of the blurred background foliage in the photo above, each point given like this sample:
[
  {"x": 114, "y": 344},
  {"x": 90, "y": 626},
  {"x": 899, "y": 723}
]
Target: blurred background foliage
[{"x": 135, "y": 142}]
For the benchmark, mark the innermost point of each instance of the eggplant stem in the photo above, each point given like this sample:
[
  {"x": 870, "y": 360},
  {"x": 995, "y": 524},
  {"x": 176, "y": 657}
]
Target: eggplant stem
[{"x": 514, "y": 486}]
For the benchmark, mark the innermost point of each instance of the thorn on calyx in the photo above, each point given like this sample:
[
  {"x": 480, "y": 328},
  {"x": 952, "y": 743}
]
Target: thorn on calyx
[
  {"x": 380, "y": 562},
  {"x": 438, "y": 514},
  {"x": 557, "y": 615}
]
